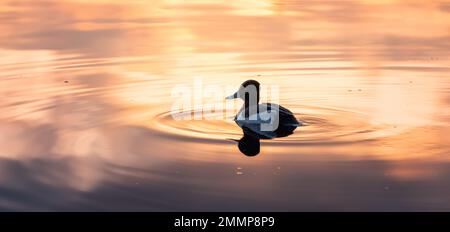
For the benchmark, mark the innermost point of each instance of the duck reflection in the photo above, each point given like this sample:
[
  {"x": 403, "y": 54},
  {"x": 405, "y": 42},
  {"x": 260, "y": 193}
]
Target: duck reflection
[
  {"x": 260, "y": 121},
  {"x": 249, "y": 145}
]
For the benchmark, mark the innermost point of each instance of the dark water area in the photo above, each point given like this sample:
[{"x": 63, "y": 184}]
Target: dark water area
[{"x": 87, "y": 105}]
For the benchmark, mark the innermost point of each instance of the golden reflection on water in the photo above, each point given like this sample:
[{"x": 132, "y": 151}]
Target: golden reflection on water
[{"x": 86, "y": 95}]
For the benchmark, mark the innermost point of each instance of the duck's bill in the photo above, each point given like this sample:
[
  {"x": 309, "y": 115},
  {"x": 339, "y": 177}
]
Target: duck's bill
[{"x": 233, "y": 96}]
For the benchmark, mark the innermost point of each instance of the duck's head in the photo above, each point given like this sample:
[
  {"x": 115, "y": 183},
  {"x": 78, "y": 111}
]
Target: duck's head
[{"x": 248, "y": 90}]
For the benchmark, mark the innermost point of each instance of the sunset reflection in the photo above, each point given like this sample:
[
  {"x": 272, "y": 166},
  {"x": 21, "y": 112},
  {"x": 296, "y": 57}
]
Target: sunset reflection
[{"x": 86, "y": 105}]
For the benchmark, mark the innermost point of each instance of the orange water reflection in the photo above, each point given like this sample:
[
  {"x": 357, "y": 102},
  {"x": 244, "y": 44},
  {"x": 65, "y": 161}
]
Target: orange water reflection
[{"x": 86, "y": 94}]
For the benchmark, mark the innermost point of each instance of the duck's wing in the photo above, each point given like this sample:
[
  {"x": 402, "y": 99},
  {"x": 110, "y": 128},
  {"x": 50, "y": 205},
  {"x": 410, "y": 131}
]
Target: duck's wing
[
  {"x": 252, "y": 125},
  {"x": 286, "y": 117}
]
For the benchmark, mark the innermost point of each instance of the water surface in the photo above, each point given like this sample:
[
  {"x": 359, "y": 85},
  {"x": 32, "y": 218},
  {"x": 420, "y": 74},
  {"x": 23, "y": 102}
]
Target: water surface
[{"x": 86, "y": 105}]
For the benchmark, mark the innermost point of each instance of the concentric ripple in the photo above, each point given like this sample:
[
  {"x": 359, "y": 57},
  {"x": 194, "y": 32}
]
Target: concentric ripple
[{"x": 319, "y": 125}]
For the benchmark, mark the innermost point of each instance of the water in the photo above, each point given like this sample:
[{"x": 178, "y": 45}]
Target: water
[{"x": 86, "y": 105}]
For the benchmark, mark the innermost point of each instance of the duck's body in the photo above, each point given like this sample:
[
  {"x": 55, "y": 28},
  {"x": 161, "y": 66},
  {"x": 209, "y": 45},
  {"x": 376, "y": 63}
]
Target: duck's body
[
  {"x": 269, "y": 114},
  {"x": 262, "y": 121}
]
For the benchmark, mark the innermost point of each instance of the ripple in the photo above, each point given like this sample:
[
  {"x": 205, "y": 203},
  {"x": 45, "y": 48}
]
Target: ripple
[{"x": 320, "y": 125}]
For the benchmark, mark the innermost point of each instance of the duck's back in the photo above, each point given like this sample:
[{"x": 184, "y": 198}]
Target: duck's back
[{"x": 261, "y": 123}]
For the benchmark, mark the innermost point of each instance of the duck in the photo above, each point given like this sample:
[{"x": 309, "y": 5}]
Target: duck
[{"x": 262, "y": 120}]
